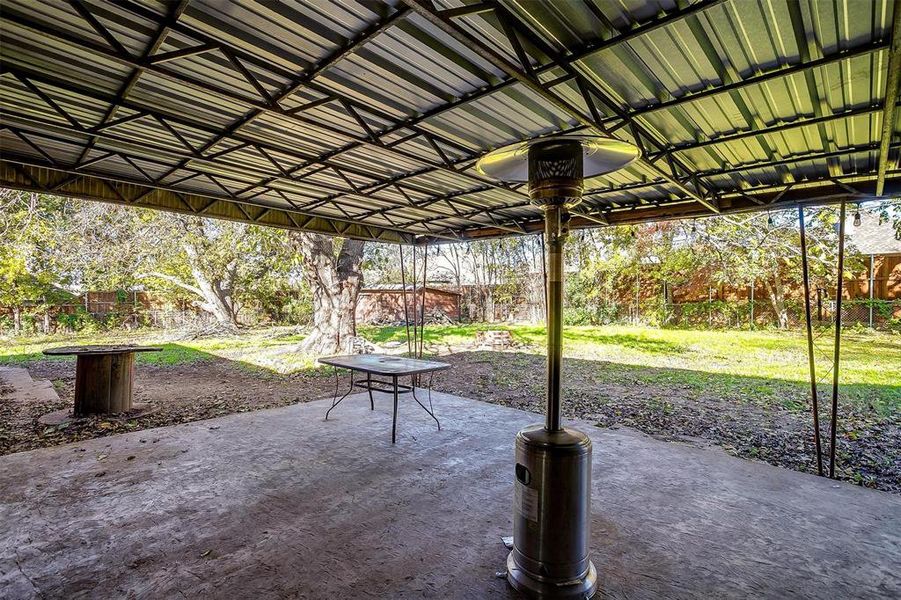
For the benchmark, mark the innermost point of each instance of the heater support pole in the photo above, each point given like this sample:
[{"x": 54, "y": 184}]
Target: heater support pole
[{"x": 555, "y": 237}]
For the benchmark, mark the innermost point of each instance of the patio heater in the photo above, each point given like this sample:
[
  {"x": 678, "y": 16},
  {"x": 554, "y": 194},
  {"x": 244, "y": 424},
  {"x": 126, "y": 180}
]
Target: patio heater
[{"x": 552, "y": 500}]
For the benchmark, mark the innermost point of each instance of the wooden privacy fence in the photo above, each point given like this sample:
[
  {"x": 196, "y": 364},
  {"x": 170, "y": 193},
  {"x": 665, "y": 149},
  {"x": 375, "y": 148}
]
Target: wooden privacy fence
[{"x": 112, "y": 309}]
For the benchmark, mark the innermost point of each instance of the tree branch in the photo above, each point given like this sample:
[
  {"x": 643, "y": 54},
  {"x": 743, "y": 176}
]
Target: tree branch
[{"x": 172, "y": 280}]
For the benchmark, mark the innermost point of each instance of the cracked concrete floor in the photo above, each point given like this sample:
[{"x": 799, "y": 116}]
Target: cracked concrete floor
[{"x": 280, "y": 504}]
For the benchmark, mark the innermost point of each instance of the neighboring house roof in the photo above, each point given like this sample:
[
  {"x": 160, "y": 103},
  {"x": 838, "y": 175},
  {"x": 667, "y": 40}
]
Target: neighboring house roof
[{"x": 871, "y": 237}]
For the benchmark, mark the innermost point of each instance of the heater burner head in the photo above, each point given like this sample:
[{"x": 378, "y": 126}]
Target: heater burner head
[
  {"x": 556, "y": 172},
  {"x": 555, "y": 167}
]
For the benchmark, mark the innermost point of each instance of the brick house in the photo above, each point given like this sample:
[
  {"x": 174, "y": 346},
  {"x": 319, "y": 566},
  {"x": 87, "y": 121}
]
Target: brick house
[{"x": 385, "y": 304}]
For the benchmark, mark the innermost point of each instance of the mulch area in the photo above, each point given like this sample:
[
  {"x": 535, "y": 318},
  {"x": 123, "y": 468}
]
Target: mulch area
[
  {"x": 608, "y": 394},
  {"x": 177, "y": 394}
]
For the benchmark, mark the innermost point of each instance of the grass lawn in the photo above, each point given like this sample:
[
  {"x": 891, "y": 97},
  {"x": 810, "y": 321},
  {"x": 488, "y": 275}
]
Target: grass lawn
[
  {"x": 870, "y": 368},
  {"x": 258, "y": 349}
]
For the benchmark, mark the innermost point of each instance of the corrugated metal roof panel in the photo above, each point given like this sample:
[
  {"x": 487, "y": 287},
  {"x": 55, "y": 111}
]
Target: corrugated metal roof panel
[{"x": 374, "y": 112}]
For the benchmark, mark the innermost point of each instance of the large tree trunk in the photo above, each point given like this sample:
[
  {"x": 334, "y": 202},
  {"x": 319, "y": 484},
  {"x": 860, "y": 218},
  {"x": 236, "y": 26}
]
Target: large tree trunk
[{"x": 335, "y": 277}]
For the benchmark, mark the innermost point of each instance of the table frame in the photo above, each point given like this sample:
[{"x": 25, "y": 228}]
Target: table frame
[{"x": 379, "y": 385}]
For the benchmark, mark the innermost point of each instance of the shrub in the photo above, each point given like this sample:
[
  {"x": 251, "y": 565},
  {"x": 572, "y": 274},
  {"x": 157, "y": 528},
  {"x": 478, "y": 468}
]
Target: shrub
[
  {"x": 80, "y": 321},
  {"x": 298, "y": 311}
]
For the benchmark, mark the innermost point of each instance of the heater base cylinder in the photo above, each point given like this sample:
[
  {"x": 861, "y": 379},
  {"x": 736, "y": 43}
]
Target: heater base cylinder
[
  {"x": 552, "y": 515},
  {"x": 580, "y": 589}
]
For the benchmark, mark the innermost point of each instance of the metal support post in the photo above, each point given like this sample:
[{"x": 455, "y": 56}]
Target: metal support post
[
  {"x": 637, "y": 320},
  {"x": 820, "y": 304},
  {"x": 838, "y": 337},
  {"x": 425, "y": 274},
  {"x": 403, "y": 285},
  {"x": 753, "y": 283},
  {"x": 810, "y": 355},
  {"x": 872, "y": 283}
]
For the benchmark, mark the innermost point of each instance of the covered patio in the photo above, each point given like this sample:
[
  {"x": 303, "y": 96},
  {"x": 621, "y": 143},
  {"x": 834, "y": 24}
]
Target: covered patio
[
  {"x": 279, "y": 503},
  {"x": 373, "y": 121}
]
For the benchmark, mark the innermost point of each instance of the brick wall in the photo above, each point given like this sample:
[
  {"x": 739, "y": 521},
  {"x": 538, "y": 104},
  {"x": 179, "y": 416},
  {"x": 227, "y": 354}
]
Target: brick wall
[{"x": 387, "y": 306}]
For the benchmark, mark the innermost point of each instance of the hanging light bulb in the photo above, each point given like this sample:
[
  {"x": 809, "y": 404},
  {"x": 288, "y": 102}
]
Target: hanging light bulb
[
  {"x": 694, "y": 227},
  {"x": 857, "y": 218},
  {"x": 769, "y": 219}
]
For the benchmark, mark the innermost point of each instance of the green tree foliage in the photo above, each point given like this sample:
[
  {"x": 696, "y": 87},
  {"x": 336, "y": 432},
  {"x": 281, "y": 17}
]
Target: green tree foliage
[
  {"x": 765, "y": 249},
  {"x": 50, "y": 243},
  {"x": 220, "y": 266},
  {"x": 32, "y": 270},
  {"x": 496, "y": 273},
  {"x": 890, "y": 211},
  {"x": 639, "y": 266}
]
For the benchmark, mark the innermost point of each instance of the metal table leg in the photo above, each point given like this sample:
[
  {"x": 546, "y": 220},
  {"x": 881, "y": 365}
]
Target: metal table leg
[
  {"x": 394, "y": 420},
  {"x": 429, "y": 410},
  {"x": 396, "y": 393},
  {"x": 335, "y": 400}
]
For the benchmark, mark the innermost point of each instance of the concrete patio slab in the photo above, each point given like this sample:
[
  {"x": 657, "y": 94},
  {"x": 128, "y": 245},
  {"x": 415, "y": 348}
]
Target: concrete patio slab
[
  {"x": 25, "y": 389},
  {"x": 280, "y": 504}
]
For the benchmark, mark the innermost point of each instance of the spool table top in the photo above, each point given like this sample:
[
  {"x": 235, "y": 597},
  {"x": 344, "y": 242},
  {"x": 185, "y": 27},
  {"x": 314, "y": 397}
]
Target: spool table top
[{"x": 98, "y": 350}]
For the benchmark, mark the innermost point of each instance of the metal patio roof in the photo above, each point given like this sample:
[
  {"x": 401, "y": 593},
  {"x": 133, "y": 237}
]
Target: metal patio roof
[{"x": 365, "y": 119}]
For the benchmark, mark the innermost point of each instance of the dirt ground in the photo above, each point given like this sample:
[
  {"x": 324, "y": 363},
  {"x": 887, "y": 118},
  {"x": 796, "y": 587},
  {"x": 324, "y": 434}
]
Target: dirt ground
[
  {"x": 609, "y": 394},
  {"x": 868, "y": 447},
  {"x": 177, "y": 393}
]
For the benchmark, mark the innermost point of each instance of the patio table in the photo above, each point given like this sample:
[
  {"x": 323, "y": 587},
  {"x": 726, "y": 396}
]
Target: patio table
[
  {"x": 104, "y": 376},
  {"x": 391, "y": 367}
]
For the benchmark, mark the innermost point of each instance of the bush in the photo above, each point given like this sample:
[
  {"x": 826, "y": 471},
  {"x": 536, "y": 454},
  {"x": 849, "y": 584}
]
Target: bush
[
  {"x": 80, "y": 321},
  {"x": 596, "y": 314},
  {"x": 578, "y": 315},
  {"x": 6, "y": 323},
  {"x": 297, "y": 311},
  {"x": 709, "y": 313}
]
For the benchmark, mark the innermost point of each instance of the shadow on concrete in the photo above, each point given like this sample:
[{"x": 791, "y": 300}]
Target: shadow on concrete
[{"x": 280, "y": 504}]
